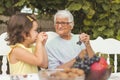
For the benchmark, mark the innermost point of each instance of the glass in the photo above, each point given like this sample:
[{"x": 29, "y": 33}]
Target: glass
[{"x": 63, "y": 23}]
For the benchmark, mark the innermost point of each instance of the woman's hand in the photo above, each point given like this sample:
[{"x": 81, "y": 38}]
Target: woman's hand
[{"x": 84, "y": 38}]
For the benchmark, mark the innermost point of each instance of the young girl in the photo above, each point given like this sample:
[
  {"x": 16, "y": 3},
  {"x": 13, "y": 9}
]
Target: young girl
[{"x": 22, "y": 33}]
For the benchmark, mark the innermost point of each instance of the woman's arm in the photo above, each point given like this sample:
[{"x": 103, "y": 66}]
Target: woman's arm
[{"x": 86, "y": 39}]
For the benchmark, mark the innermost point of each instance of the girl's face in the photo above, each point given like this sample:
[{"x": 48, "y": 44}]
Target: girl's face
[{"x": 33, "y": 32}]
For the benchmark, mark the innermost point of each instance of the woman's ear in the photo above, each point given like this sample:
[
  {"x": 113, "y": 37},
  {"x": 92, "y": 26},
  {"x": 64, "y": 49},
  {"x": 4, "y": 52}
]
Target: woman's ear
[{"x": 72, "y": 25}]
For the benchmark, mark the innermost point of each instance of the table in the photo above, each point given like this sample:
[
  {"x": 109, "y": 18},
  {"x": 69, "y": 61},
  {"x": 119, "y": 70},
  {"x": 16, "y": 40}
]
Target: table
[
  {"x": 20, "y": 77},
  {"x": 114, "y": 76}
]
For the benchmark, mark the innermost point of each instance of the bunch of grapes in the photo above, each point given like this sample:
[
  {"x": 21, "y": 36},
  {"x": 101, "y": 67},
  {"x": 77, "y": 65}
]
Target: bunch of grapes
[{"x": 85, "y": 63}]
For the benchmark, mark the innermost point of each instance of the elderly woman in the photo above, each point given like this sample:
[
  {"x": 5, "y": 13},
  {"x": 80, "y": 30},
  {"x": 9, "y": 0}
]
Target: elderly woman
[{"x": 65, "y": 49}]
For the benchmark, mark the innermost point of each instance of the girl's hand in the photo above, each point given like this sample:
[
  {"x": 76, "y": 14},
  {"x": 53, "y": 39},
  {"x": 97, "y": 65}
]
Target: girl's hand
[{"x": 42, "y": 36}]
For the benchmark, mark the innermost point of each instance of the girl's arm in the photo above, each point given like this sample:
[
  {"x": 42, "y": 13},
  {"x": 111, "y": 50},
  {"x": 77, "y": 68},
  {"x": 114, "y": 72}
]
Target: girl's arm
[{"x": 39, "y": 58}]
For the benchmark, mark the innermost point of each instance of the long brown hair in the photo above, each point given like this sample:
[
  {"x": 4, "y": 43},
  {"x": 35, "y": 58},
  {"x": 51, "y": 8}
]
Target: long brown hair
[{"x": 18, "y": 24}]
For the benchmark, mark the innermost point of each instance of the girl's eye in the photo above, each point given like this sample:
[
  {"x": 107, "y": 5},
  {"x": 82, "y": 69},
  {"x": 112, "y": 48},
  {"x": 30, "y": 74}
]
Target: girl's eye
[{"x": 38, "y": 30}]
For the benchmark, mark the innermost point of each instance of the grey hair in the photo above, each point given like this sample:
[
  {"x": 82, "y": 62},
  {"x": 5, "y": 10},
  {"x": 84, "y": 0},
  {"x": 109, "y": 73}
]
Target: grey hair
[{"x": 64, "y": 14}]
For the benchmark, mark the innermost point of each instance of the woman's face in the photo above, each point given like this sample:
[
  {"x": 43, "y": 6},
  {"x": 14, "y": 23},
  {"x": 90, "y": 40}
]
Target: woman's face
[{"x": 62, "y": 26}]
